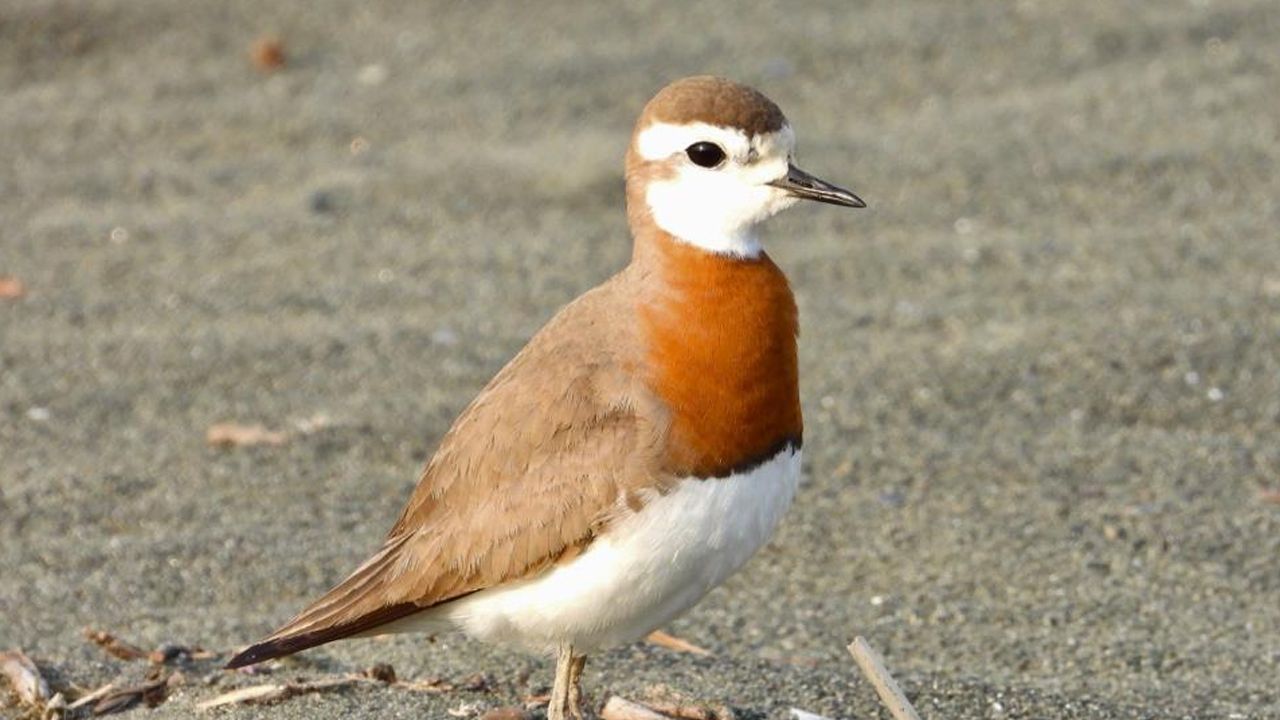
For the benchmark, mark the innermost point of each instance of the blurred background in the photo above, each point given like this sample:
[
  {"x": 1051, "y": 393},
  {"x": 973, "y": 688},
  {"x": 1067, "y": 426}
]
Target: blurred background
[{"x": 255, "y": 257}]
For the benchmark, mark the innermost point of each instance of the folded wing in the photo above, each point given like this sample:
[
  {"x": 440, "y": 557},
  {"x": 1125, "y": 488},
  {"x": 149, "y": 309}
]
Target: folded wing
[{"x": 563, "y": 439}]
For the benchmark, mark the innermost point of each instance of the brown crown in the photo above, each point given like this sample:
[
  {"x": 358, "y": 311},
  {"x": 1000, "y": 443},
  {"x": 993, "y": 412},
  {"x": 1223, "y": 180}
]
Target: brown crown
[{"x": 715, "y": 101}]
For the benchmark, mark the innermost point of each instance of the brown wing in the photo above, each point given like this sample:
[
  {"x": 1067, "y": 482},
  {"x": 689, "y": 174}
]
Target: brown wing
[{"x": 561, "y": 439}]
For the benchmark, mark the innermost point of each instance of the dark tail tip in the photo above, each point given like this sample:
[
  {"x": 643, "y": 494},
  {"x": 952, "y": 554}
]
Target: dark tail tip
[
  {"x": 255, "y": 654},
  {"x": 289, "y": 644}
]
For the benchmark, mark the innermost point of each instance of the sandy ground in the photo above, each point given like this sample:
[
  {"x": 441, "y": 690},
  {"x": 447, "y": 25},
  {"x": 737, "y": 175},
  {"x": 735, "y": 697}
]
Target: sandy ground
[{"x": 1041, "y": 373}]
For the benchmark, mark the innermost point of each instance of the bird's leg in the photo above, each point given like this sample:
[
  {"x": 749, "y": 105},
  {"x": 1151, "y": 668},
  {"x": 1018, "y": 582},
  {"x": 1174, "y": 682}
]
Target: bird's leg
[
  {"x": 575, "y": 685},
  {"x": 558, "y": 706},
  {"x": 565, "y": 694}
]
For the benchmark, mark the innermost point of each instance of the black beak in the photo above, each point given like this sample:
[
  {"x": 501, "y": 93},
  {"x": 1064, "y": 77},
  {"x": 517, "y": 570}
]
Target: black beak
[{"x": 803, "y": 185}]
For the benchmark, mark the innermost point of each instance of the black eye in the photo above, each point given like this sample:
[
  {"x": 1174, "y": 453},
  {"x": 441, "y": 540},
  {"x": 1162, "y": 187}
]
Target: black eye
[{"x": 705, "y": 154}]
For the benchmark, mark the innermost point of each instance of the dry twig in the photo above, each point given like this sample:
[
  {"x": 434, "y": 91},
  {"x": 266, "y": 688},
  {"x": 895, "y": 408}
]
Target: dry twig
[
  {"x": 873, "y": 668},
  {"x": 431, "y": 685},
  {"x": 251, "y": 694},
  {"x": 229, "y": 434},
  {"x": 671, "y": 642},
  {"x": 92, "y": 696},
  {"x": 113, "y": 645},
  {"x": 152, "y": 692},
  {"x": 274, "y": 693}
]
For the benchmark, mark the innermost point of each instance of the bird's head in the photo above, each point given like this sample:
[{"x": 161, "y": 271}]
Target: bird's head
[{"x": 710, "y": 159}]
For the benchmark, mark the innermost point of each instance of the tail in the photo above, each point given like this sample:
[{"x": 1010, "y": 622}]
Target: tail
[
  {"x": 357, "y": 605},
  {"x": 284, "y": 643}
]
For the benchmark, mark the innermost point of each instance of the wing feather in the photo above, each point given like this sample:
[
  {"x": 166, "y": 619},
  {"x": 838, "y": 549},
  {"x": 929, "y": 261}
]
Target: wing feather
[{"x": 562, "y": 439}]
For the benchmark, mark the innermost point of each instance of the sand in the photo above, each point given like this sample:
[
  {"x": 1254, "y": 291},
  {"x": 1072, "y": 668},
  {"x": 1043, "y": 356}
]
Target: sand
[{"x": 1041, "y": 373}]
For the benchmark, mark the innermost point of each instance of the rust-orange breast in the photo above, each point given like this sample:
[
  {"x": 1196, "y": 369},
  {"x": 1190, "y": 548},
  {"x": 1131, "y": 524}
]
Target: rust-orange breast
[{"x": 721, "y": 341}]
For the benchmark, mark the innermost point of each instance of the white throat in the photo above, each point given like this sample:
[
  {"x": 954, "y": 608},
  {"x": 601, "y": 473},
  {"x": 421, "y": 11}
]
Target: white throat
[
  {"x": 670, "y": 214},
  {"x": 716, "y": 209}
]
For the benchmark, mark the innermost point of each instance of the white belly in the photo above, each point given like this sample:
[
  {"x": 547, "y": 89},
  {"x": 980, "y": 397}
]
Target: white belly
[{"x": 647, "y": 569}]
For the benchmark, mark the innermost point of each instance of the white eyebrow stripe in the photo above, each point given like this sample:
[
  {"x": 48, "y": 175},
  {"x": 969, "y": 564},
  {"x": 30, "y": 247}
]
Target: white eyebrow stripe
[{"x": 662, "y": 140}]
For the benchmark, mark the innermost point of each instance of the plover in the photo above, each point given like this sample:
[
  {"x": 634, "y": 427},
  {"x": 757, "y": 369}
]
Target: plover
[{"x": 642, "y": 446}]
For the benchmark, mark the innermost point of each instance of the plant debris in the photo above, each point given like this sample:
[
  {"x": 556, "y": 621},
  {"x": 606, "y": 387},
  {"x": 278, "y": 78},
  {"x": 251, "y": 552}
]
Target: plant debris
[
  {"x": 507, "y": 713},
  {"x": 92, "y": 696},
  {"x": 267, "y": 54},
  {"x": 382, "y": 672},
  {"x": 114, "y": 646},
  {"x": 478, "y": 682},
  {"x": 164, "y": 654},
  {"x": 11, "y": 288},
  {"x": 872, "y": 666},
  {"x": 464, "y": 710},
  {"x": 264, "y": 694},
  {"x": 234, "y": 434},
  {"x": 533, "y": 702},
  {"x": 153, "y": 692},
  {"x": 671, "y": 642},
  {"x": 28, "y": 683},
  {"x": 798, "y": 714},
  {"x": 171, "y": 652},
  {"x": 229, "y": 434},
  {"x": 313, "y": 424},
  {"x": 686, "y": 711},
  {"x": 618, "y": 708},
  {"x": 55, "y": 709},
  {"x": 432, "y": 685},
  {"x": 669, "y": 703}
]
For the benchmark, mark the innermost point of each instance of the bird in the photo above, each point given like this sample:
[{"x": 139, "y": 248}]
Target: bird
[{"x": 644, "y": 443}]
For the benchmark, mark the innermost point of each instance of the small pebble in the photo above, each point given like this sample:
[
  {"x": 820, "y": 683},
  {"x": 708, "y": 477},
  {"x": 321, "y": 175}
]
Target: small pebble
[
  {"x": 374, "y": 74},
  {"x": 267, "y": 54},
  {"x": 445, "y": 336},
  {"x": 167, "y": 653},
  {"x": 382, "y": 672},
  {"x": 320, "y": 202}
]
